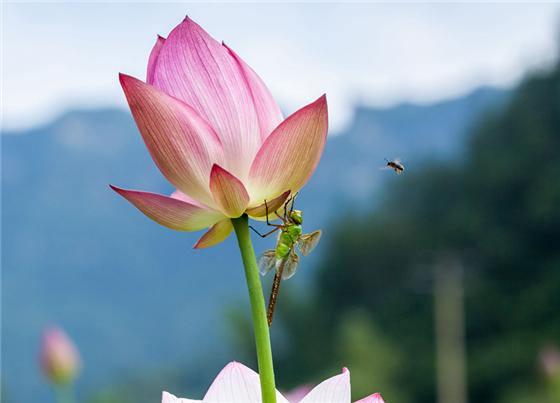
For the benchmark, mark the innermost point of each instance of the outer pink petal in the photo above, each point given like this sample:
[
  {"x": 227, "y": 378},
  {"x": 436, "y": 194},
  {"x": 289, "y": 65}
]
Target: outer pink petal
[
  {"x": 216, "y": 234},
  {"x": 237, "y": 384},
  {"x": 170, "y": 212},
  {"x": 195, "y": 68},
  {"x": 154, "y": 55},
  {"x": 229, "y": 192},
  {"x": 291, "y": 153},
  {"x": 169, "y": 398},
  {"x": 182, "y": 144},
  {"x": 268, "y": 111},
  {"x": 333, "y": 390},
  {"x": 375, "y": 398}
]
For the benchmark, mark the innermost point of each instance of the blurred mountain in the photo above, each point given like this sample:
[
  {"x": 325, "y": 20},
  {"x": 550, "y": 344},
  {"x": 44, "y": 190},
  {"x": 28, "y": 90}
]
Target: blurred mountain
[{"x": 134, "y": 296}]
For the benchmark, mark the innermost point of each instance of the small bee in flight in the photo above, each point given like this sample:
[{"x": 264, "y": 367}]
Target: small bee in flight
[{"x": 395, "y": 165}]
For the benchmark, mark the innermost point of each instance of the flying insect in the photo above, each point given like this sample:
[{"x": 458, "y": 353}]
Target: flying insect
[
  {"x": 395, "y": 165},
  {"x": 284, "y": 258}
]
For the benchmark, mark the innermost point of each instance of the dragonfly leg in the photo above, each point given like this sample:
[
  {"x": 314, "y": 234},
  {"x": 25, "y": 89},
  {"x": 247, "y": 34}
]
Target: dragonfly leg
[
  {"x": 267, "y": 220},
  {"x": 286, "y": 209},
  {"x": 277, "y": 227},
  {"x": 293, "y": 201},
  {"x": 282, "y": 218},
  {"x": 275, "y": 212}
]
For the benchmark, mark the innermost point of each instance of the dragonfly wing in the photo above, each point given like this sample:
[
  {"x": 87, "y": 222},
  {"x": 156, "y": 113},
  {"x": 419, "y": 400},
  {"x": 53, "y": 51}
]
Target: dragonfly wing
[
  {"x": 290, "y": 265},
  {"x": 308, "y": 242},
  {"x": 267, "y": 261}
]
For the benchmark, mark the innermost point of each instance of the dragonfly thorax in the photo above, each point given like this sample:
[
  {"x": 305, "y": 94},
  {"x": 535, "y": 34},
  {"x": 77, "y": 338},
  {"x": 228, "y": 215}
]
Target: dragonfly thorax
[{"x": 287, "y": 239}]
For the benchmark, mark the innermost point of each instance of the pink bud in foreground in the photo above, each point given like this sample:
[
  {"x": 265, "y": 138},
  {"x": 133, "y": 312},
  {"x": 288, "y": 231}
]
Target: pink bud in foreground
[
  {"x": 549, "y": 358},
  {"x": 59, "y": 357}
]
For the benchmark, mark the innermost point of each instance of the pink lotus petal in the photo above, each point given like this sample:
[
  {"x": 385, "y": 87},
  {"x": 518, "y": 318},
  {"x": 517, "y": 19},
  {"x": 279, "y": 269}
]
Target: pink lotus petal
[
  {"x": 291, "y": 153},
  {"x": 195, "y": 68},
  {"x": 170, "y": 212},
  {"x": 375, "y": 398},
  {"x": 333, "y": 390},
  {"x": 216, "y": 234},
  {"x": 182, "y": 144},
  {"x": 177, "y": 194},
  {"x": 229, "y": 192},
  {"x": 268, "y": 111},
  {"x": 237, "y": 384},
  {"x": 270, "y": 205},
  {"x": 153, "y": 59},
  {"x": 169, "y": 398}
]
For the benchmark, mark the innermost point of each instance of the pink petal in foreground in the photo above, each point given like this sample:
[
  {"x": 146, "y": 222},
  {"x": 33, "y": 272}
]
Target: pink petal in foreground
[
  {"x": 333, "y": 390},
  {"x": 216, "y": 234},
  {"x": 170, "y": 212},
  {"x": 237, "y": 384},
  {"x": 182, "y": 144},
  {"x": 195, "y": 68},
  {"x": 375, "y": 398},
  {"x": 153, "y": 59},
  {"x": 169, "y": 398},
  {"x": 268, "y": 111},
  {"x": 229, "y": 192},
  {"x": 291, "y": 153}
]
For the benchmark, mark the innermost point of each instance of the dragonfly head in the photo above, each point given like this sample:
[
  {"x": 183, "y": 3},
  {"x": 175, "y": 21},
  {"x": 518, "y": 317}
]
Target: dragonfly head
[{"x": 296, "y": 217}]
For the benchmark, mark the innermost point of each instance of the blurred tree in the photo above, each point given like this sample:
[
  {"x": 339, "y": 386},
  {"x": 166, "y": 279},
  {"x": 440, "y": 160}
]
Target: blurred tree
[{"x": 498, "y": 211}]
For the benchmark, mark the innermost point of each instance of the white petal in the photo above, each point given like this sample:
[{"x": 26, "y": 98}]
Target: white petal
[
  {"x": 237, "y": 384},
  {"x": 169, "y": 398},
  {"x": 333, "y": 390}
]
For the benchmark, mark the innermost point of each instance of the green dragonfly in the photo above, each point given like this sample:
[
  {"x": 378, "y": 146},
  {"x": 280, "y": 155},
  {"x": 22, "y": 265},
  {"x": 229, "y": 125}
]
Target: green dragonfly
[{"x": 284, "y": 258}]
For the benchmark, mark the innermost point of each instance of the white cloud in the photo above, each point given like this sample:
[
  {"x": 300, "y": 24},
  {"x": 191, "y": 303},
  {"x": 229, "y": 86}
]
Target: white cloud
[{"x": 58, "y": 56}]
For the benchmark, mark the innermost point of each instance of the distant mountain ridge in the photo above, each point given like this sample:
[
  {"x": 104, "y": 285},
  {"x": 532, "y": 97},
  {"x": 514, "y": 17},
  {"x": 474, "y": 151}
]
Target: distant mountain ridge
[{"x": 133, "y": 294}]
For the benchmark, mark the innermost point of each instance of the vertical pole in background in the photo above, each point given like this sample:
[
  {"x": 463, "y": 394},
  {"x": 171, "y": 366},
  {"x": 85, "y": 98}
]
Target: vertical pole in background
[{"x": 450, "y": 331}]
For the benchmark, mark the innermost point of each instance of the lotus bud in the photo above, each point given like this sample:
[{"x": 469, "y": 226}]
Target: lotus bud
[
  {"x": 550, "y": 361},
  {"x": 59, "y": 357}
]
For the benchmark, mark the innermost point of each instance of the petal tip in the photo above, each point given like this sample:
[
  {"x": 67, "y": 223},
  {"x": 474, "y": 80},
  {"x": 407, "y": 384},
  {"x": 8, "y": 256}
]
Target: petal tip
[
  {"x": 116, "y": 188},
  {"x": 126, "y": 80},
  {"x": 321, "y": 102}
]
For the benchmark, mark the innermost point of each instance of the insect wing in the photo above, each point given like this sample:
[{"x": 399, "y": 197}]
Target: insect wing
[
  {"x": 267, "y": 261},
  {"x": 290, "y": 265},
  {"x": 308, "y": 242}
]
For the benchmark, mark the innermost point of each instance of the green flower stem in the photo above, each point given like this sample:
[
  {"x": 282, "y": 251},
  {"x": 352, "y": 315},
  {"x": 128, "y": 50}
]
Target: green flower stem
[
  {"x": 258, "y": 311},
  {"x": 64, "y": 394}
]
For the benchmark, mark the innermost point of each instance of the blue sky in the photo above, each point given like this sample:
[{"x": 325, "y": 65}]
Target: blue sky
[{"x": 63, "y": 55}]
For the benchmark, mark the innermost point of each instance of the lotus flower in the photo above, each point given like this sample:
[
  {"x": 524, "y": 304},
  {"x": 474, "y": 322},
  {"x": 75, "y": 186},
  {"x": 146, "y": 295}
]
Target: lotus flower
[
  {"x": 218, "y": 136},
  {"x": 59, "y": 357},
  {"x": 238, "y": 384}
]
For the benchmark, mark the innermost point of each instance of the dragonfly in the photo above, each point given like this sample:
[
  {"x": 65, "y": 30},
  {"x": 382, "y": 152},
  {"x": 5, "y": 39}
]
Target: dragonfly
[{"x": 284, "y": 257}]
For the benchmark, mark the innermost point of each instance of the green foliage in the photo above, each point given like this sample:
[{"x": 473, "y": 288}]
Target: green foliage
[
  {"x": 360, "y": 345},
  {"x": 498, "y": 211}
]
